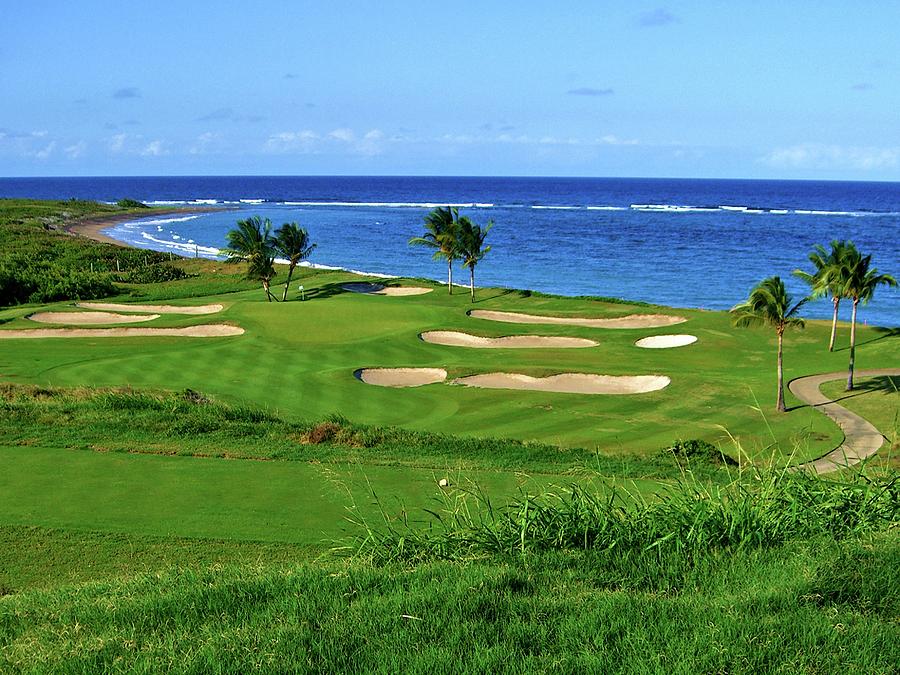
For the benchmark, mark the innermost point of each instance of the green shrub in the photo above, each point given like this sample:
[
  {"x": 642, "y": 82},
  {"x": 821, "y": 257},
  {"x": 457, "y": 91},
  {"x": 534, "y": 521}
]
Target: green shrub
[
  {"x": 154, "y": 274},
  {"x": 698, "y": 449},
  {"x": 131, "y": 204}
]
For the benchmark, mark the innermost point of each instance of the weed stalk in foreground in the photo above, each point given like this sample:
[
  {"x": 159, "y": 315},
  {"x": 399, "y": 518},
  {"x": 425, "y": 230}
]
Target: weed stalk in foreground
[{"x": 767, "y": 508}]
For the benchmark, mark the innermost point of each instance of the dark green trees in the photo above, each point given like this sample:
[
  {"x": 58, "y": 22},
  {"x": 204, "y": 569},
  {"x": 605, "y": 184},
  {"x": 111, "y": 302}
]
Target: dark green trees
[
  {"x": 860, "y": 280},
  {"x": 442, "y": 235},
  {"x": 453, "y": 238},
  {"x": 251, "y": 242},
  {"x": 828, "y": 277},
  {"x": 471, "y": 246},
  {"x": 292, "y": 242},
  {"x": 770, "y": 305}
]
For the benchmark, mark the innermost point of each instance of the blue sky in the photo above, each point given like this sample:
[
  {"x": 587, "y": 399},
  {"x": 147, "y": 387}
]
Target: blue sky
[{"x": 694, "y": 89}]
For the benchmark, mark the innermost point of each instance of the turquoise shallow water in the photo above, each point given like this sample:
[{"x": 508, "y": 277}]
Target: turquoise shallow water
[{"x": 694, "y": 243}]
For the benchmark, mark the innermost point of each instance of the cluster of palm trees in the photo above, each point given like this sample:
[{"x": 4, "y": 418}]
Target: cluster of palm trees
[
  {"x": 454, "y": 237},
  {"x": 841, "y": 273},
  {"x": 253, "y": 242}
]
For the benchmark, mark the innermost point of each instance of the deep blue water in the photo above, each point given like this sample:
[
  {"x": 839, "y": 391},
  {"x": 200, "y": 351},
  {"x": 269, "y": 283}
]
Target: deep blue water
[{"x": 691, "y": 243}]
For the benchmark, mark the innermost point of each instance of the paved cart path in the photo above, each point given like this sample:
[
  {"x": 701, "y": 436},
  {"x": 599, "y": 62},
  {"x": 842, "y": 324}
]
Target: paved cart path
[{"x": 861, "y": 439}]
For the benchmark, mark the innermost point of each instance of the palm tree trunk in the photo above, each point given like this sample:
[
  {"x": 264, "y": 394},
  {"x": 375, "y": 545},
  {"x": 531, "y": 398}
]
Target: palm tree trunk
[
  {"x": 852, "y": 344},
  {"x": 450, "y": 276},
  {"x": 779, "y": 404},
  {"x": 287, "y": 283},
  {"x": 266, "y": 289},
  {"x": 472, "y": 281},
  {"x": 837, "y": 301}
]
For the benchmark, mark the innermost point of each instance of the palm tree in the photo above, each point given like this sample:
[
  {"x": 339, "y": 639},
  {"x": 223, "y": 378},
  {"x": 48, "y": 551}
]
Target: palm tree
[
  {"x": 292, "y": 241},
  {"x": 861, "y": 279},
  {"x": 770, "y": 305},
  {"x": 471, "y": 246},
  {"x": 828, "y": 279},
  {"x": 442, "y": 227},
  {"x": 251, "y": 242}
]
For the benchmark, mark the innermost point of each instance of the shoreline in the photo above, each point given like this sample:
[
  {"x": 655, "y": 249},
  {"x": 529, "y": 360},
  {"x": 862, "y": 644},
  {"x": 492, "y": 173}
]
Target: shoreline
[{"x": 92, "y": 228}]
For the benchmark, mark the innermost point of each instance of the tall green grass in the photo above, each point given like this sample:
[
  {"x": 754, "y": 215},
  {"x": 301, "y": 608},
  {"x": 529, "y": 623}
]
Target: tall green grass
[{"x": 689, "y": 518}]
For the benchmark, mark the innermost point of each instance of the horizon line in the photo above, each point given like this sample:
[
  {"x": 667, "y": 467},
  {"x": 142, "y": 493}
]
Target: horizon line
[{"x": 449, "y": 176}]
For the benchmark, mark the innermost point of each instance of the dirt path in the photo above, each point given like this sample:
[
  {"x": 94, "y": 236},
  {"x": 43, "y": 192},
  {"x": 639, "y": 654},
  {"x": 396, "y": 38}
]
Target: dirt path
[{"x": 861, "y": 439}]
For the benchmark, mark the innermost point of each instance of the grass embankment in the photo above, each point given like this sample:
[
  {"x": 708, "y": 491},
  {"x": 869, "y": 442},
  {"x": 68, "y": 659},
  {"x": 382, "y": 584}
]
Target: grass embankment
[{"x": 727, "y": 584}]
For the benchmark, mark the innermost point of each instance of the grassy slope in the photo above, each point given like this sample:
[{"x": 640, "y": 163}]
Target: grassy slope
[{"x": 816, "y": 608}]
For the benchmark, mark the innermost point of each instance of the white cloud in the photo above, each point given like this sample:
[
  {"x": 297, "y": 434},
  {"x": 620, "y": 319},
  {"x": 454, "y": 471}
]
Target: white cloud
[
  {"x": 206, "y": 143},
  {"x": 822, "y": 156},
  {"x": 341, "y": 140},
  {"x": 371, "y": 143},
  {"x": 117, "y": 142},
  {"x": 292, "y": 141},
  {"x": 458, "y": 139},
  {"x": 75, "y": 150},
  {"x": 154, "y": 149},
  {"x": 612, "y": 139},
  {"x": 44, "y": 152},
  {"x": 345, "y": 135}
]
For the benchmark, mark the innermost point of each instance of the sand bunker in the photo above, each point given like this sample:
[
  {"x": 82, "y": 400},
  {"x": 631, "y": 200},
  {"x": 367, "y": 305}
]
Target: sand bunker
[
  {"x": 570, "y": 383},
  {"x": 381, "y": 289},
  {"x": 452, "y": 338},
  {"x": 630, "y": 321},
  {"x": 157, "y": 309},
  {"x": 88, "y": 318},
  {"x": 401, "y": 377},
  {"x": 666, "y": 341},
  {"x": 207, "y": 330}
]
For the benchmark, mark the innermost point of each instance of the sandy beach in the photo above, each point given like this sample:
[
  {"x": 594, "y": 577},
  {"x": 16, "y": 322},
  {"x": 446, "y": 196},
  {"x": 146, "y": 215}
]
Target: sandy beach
[{"x": 92, "y": 228}]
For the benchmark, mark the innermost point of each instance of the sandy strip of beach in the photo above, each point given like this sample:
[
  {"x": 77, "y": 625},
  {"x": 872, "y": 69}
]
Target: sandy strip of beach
[
  {"x": 451, "y": 338},
  {"x": 92, "y": 228},
  {"x": 204, "y": 331},
  {"x": 569, "y": 383}
]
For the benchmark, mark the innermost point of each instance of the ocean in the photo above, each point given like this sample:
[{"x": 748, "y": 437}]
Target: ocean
[{"x": 683, "y": 243}]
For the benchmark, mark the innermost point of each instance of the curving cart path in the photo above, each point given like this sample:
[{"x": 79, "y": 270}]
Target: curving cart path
[{"x": 861, "y": 439}]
